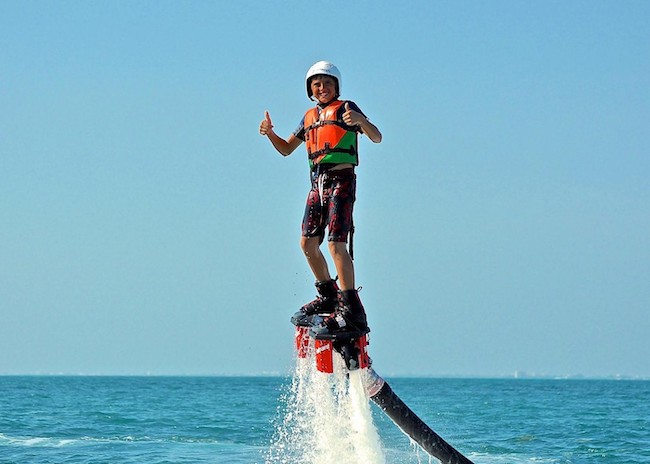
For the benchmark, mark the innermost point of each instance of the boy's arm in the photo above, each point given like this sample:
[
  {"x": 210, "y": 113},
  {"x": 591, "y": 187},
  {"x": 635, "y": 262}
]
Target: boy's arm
[
  {"x": 370, "y": 130},
  {"x": 354, "y": 118},
  {"x": 284, "y": 147}
]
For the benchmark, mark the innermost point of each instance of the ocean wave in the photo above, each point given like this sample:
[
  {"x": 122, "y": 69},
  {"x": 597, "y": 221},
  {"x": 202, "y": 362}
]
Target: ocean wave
[
  {"x": 59, "y": 442},
  {"x": 44, "y": 442}
]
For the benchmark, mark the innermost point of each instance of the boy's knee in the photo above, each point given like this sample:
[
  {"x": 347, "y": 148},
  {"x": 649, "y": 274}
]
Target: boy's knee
[
  {"x": 309, "y": 244},
  {"x": 338, "y": 248}
]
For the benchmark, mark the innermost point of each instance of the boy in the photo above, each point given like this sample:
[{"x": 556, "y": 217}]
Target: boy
[{"x": 329, "y": 131}]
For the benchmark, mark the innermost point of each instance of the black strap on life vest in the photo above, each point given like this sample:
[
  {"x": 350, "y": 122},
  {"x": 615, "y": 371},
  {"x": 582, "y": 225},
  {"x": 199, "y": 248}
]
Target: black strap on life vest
[
  {"x": 328, "y": 149},
  {"x": 318, "y": 123}
]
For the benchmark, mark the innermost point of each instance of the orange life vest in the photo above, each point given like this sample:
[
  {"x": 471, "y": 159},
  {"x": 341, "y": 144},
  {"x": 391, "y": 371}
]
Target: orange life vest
[{"x": 328, "y": 139}]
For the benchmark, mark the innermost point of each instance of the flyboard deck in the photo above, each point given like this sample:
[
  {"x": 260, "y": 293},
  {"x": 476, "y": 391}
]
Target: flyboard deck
[{"x": 354, "y": 350}]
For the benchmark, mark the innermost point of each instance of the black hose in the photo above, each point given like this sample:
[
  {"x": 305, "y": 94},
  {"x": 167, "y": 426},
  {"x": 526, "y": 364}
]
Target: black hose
[{"x": 413, "y": 426}]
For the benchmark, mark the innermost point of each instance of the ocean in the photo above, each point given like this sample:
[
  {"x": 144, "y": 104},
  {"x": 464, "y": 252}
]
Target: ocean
[{"x": 156, "y": 420}]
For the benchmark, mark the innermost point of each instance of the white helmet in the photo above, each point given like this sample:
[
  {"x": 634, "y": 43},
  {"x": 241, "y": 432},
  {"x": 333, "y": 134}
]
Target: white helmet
[{"x": 326, "y": 68}]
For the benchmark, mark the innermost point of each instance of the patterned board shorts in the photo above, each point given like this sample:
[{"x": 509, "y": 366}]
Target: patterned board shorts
[{"x": 329, "y": 205}]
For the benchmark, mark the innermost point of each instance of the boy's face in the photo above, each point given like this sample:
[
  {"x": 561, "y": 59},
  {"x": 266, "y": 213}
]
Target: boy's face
[{"x": 323, "y": 88}]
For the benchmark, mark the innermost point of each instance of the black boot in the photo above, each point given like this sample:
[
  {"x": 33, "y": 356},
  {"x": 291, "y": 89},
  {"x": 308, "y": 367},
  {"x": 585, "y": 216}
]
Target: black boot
[
  {"x": 325, "y": 303},
  {"x": 352, "y": 301},
  {"x": 349, "y": 319}
]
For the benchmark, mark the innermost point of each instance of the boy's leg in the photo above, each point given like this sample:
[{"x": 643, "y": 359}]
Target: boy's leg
[
  {"x": 313, "y": 230},
  {"x": 343, "y": 263},
  {"x": 350, "y": 316},
  {"x": 327, "y": 298},
  {"x": 311, "y": 248},
  {"x": 310, "y": 241},
  {"x": 339, "y": 217}
]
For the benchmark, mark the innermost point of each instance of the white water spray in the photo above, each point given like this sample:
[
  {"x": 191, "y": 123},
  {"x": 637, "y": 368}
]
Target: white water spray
[
  {"x": 366, "y": 441},
  {"x": 325, "y": 418}
]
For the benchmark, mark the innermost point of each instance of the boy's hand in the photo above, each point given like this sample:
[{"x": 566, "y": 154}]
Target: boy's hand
[
  {"x": 266, "y": 126},
  {"x": 352, "y": 118}
]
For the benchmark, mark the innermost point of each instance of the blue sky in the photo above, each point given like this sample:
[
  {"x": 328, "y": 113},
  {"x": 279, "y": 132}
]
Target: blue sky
[{"x": 502, "y": 224}]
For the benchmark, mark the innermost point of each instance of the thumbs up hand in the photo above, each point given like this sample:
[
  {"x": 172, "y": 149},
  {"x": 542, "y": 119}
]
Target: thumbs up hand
[
  {"x": 266, "y": 126},
  {"x": 351, "y": 117}
]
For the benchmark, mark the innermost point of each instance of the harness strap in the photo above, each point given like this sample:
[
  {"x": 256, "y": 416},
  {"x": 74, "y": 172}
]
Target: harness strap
[
  {"x": 328, "y": 149},
  {"x": 351, "y": 251},
  {"x": 325, "y": 122}
]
